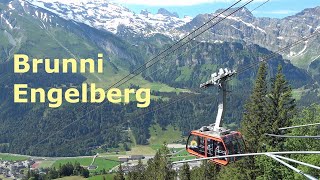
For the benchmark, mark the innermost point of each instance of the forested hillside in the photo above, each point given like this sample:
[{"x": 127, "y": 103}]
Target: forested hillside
[
  {"x": 36, "y": 129},
  {"x": 267, "y": 110}
]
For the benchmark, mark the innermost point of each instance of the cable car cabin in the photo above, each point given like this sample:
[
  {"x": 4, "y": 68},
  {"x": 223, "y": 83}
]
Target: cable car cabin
[
  {"x": 214, "y": 140},
  {"x": 210, "y": 143}
]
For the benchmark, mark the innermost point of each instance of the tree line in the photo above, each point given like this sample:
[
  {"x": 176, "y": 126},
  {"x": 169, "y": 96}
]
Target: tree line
[
  {"x": 267, "y": 110},
  {"x": 64, "y": 170}
]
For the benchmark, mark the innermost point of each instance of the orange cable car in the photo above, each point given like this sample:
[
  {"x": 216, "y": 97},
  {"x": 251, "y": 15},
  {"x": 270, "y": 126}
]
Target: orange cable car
[{"x": 213, "y": 140}]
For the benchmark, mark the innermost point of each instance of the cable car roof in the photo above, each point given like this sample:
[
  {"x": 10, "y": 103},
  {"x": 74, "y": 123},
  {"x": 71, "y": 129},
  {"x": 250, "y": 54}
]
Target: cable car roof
[{"x": 212, "y": 133}]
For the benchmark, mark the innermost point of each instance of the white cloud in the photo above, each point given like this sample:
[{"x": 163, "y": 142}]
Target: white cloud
[
  {"x": 173, "y": 2},
  {"x": 161, "y": 3}
]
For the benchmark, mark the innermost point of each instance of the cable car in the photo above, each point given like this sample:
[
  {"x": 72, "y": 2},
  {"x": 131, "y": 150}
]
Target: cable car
[
  {"x": 207, "y": 143},
  {"x": 213, "y": 140}
]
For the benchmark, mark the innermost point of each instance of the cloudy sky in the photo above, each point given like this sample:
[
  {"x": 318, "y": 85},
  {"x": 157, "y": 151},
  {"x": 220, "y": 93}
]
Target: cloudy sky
[{"x": 274, "y": 8}]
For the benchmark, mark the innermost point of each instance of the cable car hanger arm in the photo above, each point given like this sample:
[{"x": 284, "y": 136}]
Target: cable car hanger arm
[{"x": 220, "y": 79}]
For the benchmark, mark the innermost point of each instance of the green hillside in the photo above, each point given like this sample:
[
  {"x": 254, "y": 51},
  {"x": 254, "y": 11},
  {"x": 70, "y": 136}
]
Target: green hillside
[{"x": 35, "y": 129}]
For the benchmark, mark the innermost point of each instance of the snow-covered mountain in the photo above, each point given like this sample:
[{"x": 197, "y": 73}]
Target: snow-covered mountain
[
  {"x": 109, "y": 16},
  {"x": 270, "y": 33}
]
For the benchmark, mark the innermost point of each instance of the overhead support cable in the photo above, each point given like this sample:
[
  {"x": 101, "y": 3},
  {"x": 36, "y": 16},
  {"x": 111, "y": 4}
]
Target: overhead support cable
[
  {"x": 181, "y": 43},
  {"x": 291, "y": 167},
  {"x": 206, "y": 26},
  {"x": 288, "y": 136},
  {"x": 249, "y": 154},
  {"x": 298, "y": 162},
  {"x": 298, "y": 126}
]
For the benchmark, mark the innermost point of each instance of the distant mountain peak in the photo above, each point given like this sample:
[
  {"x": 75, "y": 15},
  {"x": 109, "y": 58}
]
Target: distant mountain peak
[
  {"x": 244, "y": 12},
  {"x": 144, "y": 12},
  {"x": 113, "y": 17},
  {"x": 167, "y": 13},
  {"x": 310, "y": 11}
]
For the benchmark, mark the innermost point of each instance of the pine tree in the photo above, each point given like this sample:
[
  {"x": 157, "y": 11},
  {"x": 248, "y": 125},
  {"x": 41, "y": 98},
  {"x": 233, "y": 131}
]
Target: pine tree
[
  {"x": 252, "y": 126},
  {"x": 308, "y": 115},
  {"x": 138, "y": 173},
  {"x": 184, "y": 173},
  {"x": 120, "y": 174},
  {"x": 211, "y": 171},
  {"x": 281, "y": 107},
  {"x": 159, "y": 167},
  {"x": 140, "y": 170},
  {"x": 53, "y": 173},
  {"x": 234, "y": 171},
  {"x": 206, "y": 171},
  {"x": 196, "y": 173}
]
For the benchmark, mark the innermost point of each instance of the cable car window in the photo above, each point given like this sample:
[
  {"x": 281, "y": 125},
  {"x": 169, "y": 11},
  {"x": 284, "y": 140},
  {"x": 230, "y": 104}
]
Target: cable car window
[
  {"x": 228, "y": 142},
  {"x": 201, "y": 145},
  {"x": 236, "y": 148},
  {"x": 229, "y": 146},
  {"x": 241, "y": 144},
  {"x": 211, "y": 147},
  {"x": 197, "y": 144},
  {"x": 220, "y": 150}
]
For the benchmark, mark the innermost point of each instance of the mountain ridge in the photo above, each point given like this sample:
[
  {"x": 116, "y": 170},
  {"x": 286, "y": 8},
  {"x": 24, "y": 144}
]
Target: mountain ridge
[{"x": 271, "y": 33}]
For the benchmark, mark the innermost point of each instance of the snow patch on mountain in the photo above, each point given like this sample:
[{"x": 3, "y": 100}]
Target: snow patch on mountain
[
  {"x": 4, "y": 19},
  {"x": 109, "y": 16},
  {"x": 304, "y": 49},
  {"x": 238, "y": 19},
  {"x": 11, "y": 6},
  {"x": 295, "y": 54}
]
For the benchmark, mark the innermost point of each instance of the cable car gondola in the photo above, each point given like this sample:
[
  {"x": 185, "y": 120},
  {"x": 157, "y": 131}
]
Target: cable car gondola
[{"x": 213, "y": 140}]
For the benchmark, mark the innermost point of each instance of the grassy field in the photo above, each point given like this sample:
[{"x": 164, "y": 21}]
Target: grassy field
[
  {"x": 113, "y": 153},
  {"x": 110, "y": 76},
  {"x": 139, "y": 149},
  {"x": 100, "y": 177},
  {"x": 46, "y": 164},
  {"x": 3, "y": 178},
  {"x": 100, "y": 162},
  {"x": 302, "y": 62},
  {"x": 297, "y": 93},
  {"x": 8, "y": 157},
  {"x": 182, "y": 158},
  {"x": 186, "y": 73},
  {"x": 82, "y": 161},
  {"x": 182, "y": 155},
  {"x": 159, "y": 136},
  {"x": 72, "y": 178}
]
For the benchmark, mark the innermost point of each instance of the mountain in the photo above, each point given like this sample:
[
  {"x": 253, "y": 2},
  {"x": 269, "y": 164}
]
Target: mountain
[
  {"x": 198, "y": 62},
  {"x": 111, "y": 17},
  {"x": 314, "y": 68},
  {"x": 167, "y": 13},
  {"x": 270, "y": 33},
  {"x": 28, "y": 29},
  {"x": 58, "y": 30}
]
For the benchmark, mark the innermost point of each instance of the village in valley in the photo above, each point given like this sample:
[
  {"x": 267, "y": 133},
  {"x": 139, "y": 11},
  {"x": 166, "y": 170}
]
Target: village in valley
[
  {"x": 19, "y": 167},
  {"x": 15, "y": 169}
]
